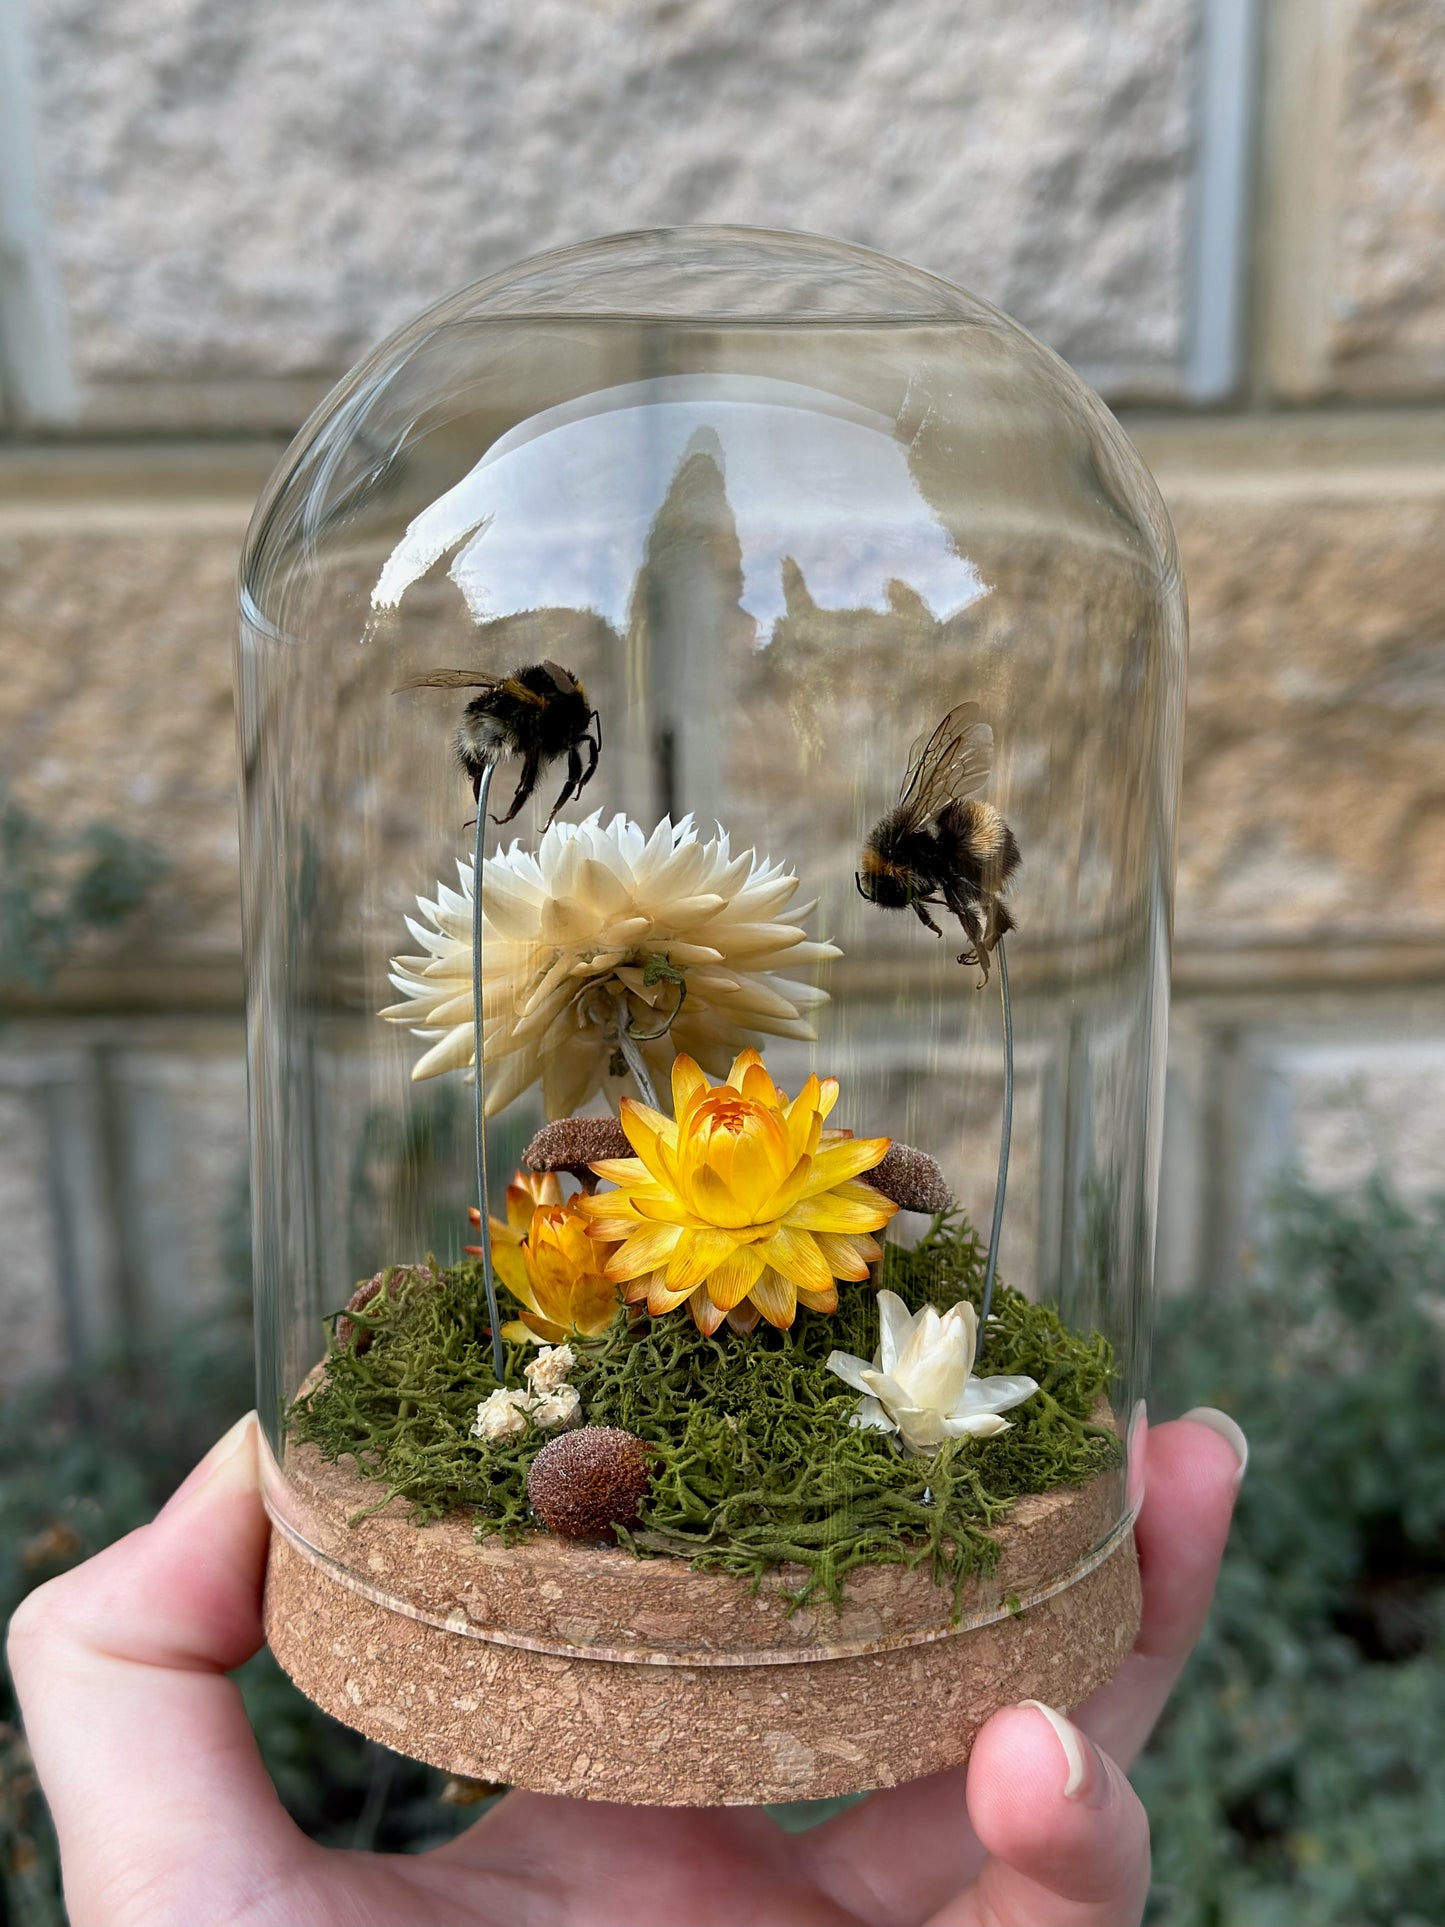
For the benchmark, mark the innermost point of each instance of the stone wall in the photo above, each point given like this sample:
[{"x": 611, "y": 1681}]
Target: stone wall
[
  {"x": 205, "y": 214},
  {"x": 239, "y": 199},
  {"x": 1351, "y": 266}
]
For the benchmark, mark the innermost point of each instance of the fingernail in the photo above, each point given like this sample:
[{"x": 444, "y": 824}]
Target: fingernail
[
  {"x": 227, "y": 1451},
  {"x": 1089, "y": 1781},
  {"x": 1228, "y": 1429}
]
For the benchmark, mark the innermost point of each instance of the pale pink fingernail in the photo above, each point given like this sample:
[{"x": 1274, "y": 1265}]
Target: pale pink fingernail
[
  {"x": 1090, "y": 1781},
  {"x": 1228, "y": 1429},
  {"x": 221, "y": 1454}
]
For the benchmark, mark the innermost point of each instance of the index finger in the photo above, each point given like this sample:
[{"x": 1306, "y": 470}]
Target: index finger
[{"x": 1194, "y": 1465}]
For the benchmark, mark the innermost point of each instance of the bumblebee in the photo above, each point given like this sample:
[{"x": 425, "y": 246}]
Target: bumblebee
[
  {"x": 539, "y": 713},
  {"x": 941, "y": 848}
]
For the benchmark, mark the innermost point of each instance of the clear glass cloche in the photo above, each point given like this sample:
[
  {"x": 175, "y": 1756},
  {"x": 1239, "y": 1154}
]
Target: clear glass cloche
[{"x": 758, "y": 666}]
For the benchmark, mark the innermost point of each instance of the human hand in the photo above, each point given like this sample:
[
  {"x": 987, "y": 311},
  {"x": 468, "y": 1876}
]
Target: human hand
[{"x": 166, "y": 1817}]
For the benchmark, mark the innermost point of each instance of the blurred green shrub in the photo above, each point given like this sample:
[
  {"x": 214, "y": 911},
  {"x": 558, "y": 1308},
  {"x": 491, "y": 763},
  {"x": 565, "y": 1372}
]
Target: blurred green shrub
[
  {"x": 56, "y": 890},
  {"x": 1297, "y": 1780}
]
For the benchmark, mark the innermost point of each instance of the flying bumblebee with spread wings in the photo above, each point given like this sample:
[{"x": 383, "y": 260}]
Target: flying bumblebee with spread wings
[{"x": 940, "y": 847}]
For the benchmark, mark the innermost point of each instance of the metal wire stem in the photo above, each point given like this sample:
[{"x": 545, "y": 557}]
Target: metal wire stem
[
  {"x": 1003, "y": 1148},
  {"x": 632, "y": 1056},
  {"x": 478, "y": 1095}
]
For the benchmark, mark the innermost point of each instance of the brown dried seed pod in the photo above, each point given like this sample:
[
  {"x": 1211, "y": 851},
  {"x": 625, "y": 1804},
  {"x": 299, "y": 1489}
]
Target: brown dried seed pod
[
  {"x": 400, "y": 1278},
  {"x": 573, "y": 1144},
  {"x": 586, "y": 1482},
  {"x": 911, "y": 1178}
]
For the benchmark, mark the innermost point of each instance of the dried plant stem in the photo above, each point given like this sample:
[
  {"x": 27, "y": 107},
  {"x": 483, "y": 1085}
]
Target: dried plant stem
[
  {"x": 1003, "y": 1149},
  {"x": 478, "y": 1094}
]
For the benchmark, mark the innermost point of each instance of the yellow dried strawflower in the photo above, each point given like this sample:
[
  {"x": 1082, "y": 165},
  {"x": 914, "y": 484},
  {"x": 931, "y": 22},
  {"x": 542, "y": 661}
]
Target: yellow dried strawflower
[
  {"x": 743, "y": 1205},
  {"x": 547, "y": 1261}
]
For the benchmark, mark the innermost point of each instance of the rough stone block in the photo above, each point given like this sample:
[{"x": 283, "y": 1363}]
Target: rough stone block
[
  {"x": 182, "y": 1096},
  {"x": 1333, "y": 1087},
  {"x": 30, "y": 1301},
  {"x": 1312, "y": 804},
  {"x": 241, "y": 195},
  {"x": 1388, "y": 319},
  {"x": 115, "y": 705},
  {"x": 1352, "y": 1110},
  {"x": 122, "y": 1181},
  {"x": 1354, "y": 253}
]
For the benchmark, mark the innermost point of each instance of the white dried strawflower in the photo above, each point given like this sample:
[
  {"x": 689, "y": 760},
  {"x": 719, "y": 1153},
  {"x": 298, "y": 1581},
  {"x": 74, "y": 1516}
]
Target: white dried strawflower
[
  {"x": 550, "y": 1367},
  {"x": 561, "y": 1407},
  {"x": 921, "y": 1384},
  {"x": 501, "y": 1416},
  {"x": 598, "y": 926}
]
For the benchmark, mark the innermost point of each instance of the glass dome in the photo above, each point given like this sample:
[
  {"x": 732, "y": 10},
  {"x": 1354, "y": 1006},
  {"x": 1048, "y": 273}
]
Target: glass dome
[{"x": 825, "y": 639}]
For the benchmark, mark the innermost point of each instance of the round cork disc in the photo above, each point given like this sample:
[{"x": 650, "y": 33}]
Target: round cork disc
[{"x": 580, "y": 1670}]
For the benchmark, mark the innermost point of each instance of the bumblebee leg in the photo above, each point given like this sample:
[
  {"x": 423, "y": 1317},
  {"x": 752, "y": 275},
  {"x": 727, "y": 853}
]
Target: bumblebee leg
[
  {"x": 966, "y": 907},
  {"x": 526, "y": 783},
  {"x": 594, "y": 746},
  {"x": 923, "y": 916},
  {"x": 977, "y": 951},
  {"x": 571, "y": 786}
]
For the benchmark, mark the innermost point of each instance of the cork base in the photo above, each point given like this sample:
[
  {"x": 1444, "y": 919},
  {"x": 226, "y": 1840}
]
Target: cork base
[{"x": 580, "y": 1670}]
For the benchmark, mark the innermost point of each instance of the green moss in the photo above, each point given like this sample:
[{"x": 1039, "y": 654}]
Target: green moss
[{"x": 758, "y": 1464}]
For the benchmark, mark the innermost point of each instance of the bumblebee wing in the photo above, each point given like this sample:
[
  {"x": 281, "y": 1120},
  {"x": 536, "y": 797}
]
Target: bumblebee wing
[
  {"x": 449, "y": 679},
  {"x": 954, "y": 761},
  {"x": 563, "y": 678}
]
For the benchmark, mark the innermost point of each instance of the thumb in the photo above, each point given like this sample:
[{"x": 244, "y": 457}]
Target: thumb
[
  {"x": 141, "y": 1743},
  {"x": 1067, "y": 1838}
]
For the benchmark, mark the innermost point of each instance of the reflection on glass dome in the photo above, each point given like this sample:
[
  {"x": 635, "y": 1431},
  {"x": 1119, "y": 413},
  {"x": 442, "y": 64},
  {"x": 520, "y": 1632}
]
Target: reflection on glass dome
[
  {"x": 570, "y": 498},
  {"x": 710, "y": 772}
]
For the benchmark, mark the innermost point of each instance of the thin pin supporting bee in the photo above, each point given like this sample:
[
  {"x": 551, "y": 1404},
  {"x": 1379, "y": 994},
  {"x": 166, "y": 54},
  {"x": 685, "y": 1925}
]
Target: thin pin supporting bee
[
  {"x": 539, "y": 713},
  {"x": 939, "y": 847}
]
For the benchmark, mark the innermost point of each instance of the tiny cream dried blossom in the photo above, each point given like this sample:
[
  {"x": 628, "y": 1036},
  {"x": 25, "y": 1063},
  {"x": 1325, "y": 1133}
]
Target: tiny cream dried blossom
[
  {"x": 921, "y": 1384},
  {"x": 557, "y": 1408},
  {"x": 551, "y": 1403},
  {"x": 603, "y": 925},
  {"x": 550, "y": 1368},
  {"x": 501, "y": 1416}
]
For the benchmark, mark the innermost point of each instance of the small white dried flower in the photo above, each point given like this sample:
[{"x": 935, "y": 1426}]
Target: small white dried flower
[
  {"x": 550, "y": 1368},
  {"x": 921, "y": 1384},
  {"x": 501, "y": 1416},
  {"x": 560, "y": 1408}
]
